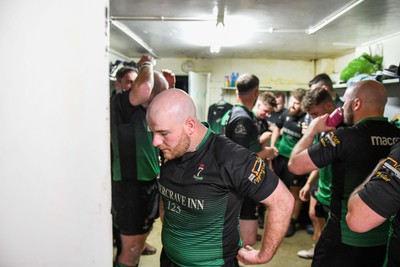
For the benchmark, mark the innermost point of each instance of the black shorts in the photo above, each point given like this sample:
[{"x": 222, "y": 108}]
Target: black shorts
[
  {"x": 134, "y": 206},
  {"x": 321, "y": 210},
  {"x": 280, "y": 164},
  {"x": 331, "y": 252},
  {"x": 249, "y": 210},
  {"x": 166, "y": 262}
]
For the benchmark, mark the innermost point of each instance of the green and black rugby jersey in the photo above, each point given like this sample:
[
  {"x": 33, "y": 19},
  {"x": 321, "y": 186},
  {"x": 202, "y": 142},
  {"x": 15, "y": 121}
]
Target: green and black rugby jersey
[
  {"x": 215, "y": 113},
  {"x": 134, "y": 156},
  {"x": 291, "y": 128},
  {"x": 242, "y": 128},
  {"x": 202, "y": 194},
  {"x": 353, "y": 153}
]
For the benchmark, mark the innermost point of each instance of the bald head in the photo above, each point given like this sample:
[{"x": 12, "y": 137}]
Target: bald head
[
  {"x": 171, "y": 117},
  {"x": 173, "y": 102},
  {"x": 372, "y": 93},
  {"x": 365, "y": 99}
]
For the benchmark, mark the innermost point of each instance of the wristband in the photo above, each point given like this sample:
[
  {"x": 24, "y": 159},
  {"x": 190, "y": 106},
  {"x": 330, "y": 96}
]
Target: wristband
[{"x": 146, "y": 63}]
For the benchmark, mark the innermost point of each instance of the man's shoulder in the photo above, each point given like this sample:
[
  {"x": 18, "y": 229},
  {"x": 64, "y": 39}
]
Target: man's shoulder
[
  {"x": 239, "y": 115},
  {"x": 239, "y": 112},
  {"x": 223, "y": 147}
]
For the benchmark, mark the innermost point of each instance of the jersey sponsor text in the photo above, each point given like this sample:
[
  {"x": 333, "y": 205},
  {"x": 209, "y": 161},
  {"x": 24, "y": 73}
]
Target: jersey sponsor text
[
  {"x": 384, "y": 141},
  {"x": 192, "y": 203}
]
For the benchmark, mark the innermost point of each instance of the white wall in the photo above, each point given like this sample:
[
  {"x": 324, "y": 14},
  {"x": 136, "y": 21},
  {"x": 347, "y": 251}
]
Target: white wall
[
  {"x": 54, "y": 139},
  {"x": 388, "y": 47},
  {"x": 279, "y": 74}
]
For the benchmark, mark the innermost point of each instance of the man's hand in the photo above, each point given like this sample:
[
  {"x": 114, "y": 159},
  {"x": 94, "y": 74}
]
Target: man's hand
[
  {"x": 249, "y": 255},
  {"x": 304, "y": 193},
  {"x": 318, "y": 125},
  {"x": 170, "y": 77},
  {"x": 276, "y": 152},
  {"x": 147, "y": 59}
]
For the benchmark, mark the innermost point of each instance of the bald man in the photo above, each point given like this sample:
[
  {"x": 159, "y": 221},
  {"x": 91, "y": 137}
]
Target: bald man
[
  {"x": 202, "y": 184},
  {"x": 353, "y": 152}
]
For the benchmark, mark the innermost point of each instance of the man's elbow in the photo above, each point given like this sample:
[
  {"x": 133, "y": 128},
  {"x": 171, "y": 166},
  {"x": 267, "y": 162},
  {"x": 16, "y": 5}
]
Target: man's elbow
[
  {"x": 356, "y": 224},
  {"x": 294, "y": 167}
]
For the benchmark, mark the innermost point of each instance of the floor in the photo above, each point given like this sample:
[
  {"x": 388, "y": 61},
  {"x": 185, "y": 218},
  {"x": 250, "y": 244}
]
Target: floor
[{"x": 285, "y": 256}]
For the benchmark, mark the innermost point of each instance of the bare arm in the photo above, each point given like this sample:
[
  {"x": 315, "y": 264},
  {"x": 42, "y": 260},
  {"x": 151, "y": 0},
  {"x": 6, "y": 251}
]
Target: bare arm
[
  {"x": 264, "y": 137},
  {"x": 280, "y": 205},
  {"x": 300, "y": 162},
  {"x": 266, "y": 153},
  {"x": 360, "y": 217},
  {"x": 143, "y": 85},
  {"x": 274, "y": 138}
]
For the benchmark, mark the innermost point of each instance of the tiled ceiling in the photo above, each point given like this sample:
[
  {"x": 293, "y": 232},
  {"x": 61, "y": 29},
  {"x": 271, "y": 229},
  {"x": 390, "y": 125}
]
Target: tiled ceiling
[{"x": 162, "y": 25}]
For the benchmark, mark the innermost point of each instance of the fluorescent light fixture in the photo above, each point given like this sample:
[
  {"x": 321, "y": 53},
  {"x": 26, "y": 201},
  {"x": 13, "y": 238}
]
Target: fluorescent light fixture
[
  {"x": 135, "y": 37},
  {"x": 333, "y": 16}
]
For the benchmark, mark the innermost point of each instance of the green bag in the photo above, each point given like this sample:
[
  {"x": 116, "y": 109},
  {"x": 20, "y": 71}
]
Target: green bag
[{"x": 363, "y": 64}]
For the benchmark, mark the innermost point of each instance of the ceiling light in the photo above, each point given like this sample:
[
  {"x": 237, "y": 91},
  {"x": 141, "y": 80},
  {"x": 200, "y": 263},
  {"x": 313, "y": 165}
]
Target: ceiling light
[
  {"x": 135, "y": 37},
  {"x": 333, "y": 16},
  {"x": 235, "y": 32}
]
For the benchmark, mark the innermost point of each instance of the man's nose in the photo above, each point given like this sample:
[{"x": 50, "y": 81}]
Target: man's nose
[{"x": 156, "y": 141}]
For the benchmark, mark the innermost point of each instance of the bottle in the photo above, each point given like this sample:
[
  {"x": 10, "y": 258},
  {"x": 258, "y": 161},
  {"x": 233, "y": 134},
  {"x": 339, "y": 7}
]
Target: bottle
[
  {"x": 335, "y": 118},
  {"x": 233, "y": 80},
  {"x": 226, "y": 81}
]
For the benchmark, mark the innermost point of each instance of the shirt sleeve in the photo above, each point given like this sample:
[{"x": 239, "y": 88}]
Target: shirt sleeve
[
  {"x": 241, "y": 131},
  {"x": 249, "y": 175},
  {"x": 382, "y": 192},
  {"x": 280, "y": 120},
  {"x": 330, "y": 147}
]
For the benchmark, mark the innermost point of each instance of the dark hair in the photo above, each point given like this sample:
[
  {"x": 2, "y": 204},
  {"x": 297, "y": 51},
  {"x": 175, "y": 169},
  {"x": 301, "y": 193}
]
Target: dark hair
[
  {"x": 315, "y": 97},
  {"x": 298, "y": 93},
  {"x": 247, "y": 82},
  {"x": 279, "y": 94},
  {"x": 123, "y": 71},
  {"x": 268, "y": 98},
  {"x": 322, "y": 79}
]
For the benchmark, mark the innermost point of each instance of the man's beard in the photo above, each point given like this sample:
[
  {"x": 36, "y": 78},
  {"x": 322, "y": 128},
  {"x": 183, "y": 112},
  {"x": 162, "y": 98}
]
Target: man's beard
[
  {"x": 296, "y": 112},
  {"x": 348, "y": 117},
  {"x": 179, "y": 150}
]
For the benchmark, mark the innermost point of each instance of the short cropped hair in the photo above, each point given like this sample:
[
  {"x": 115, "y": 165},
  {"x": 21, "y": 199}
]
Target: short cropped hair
[
  {"x": 123, "y": 71},
  {"x": 267, "y": 98},
  {"x": 247, "y": 82},
  {"x": 322, "y": 79},
  {"x": 298, "y": 93},
  {"x": 315, "y": 97}
]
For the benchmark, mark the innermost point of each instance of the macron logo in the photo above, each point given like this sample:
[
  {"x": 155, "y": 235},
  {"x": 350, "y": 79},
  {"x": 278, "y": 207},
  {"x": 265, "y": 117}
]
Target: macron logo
[{"x": 384, "y": 141}]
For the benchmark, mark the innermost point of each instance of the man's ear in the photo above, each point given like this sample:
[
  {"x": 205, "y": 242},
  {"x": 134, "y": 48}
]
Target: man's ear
[
  {"x": 330, "y": 105},
  {"x": 118, "y": 85},
  {"x": 357, "y": 103},
  {"x": 190, "y": 125}
]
